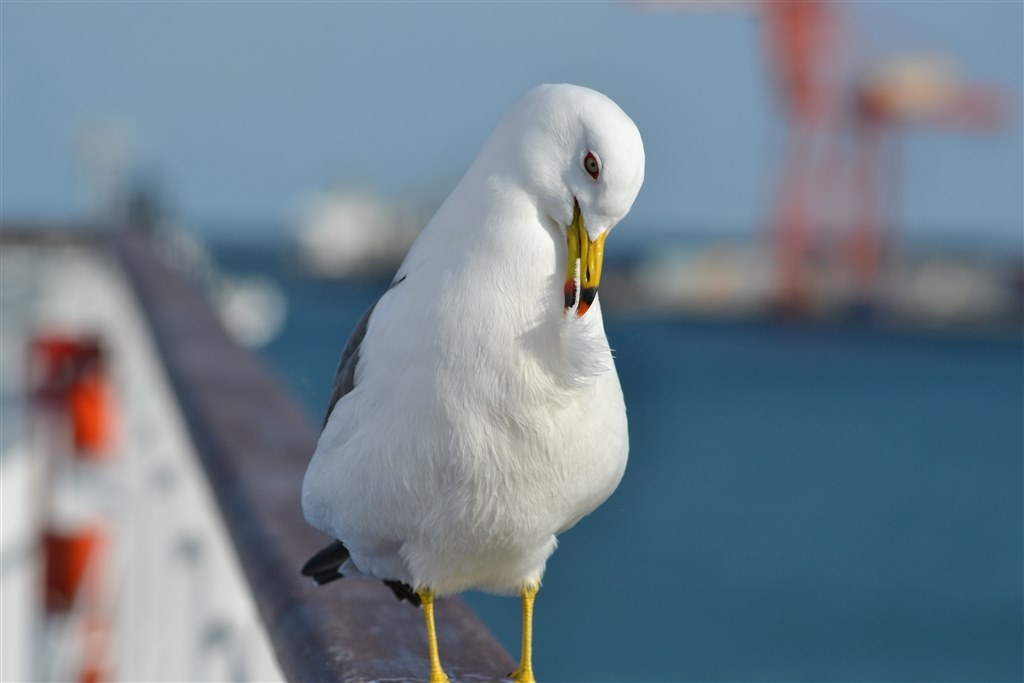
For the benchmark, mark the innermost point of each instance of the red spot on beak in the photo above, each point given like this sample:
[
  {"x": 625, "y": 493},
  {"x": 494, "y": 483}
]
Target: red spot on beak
[{"x": 570, "y": 294}]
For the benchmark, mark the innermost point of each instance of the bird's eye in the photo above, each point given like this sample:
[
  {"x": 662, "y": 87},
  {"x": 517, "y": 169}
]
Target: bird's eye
[{"x": 592, "y": 165}]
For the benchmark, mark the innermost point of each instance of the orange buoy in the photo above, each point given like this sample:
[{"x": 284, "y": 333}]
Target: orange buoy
[{"x": 67, "y": 559}]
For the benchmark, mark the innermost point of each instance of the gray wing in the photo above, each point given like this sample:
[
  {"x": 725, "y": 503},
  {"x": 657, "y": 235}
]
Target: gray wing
[{"x": 345, "y": 377}]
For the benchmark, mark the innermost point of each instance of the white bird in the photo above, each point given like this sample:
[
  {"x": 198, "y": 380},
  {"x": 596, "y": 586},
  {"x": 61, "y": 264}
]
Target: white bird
[{"x": 476, "y": 413}]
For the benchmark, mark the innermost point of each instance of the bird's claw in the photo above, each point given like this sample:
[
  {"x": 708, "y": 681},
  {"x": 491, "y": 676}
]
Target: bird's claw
[{"x": 520, "y": 676}]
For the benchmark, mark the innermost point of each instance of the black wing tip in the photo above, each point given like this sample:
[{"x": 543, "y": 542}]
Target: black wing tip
[
  {"x": 404, "y": 591},
  {"x": 323, "y": 568},
  {"x": 323, "y": 578},
  {"x": 328, "y": 559}
]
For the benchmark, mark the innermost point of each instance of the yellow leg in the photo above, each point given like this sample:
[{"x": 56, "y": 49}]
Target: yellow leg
[
  {"x": 437, "y": 674},
  {"x": 524, "y": 673}
]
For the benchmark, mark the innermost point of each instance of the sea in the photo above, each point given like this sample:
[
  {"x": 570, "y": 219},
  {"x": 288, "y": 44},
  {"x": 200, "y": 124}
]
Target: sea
[{"x": 803, "y": 502}]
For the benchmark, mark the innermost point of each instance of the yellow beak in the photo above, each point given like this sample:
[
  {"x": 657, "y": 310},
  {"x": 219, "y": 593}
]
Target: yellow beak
[{"x": 583, "y": 266}]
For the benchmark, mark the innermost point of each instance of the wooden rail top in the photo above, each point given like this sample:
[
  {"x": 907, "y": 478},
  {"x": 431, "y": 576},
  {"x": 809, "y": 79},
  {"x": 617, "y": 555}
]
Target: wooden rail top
[{"x": 255, "y": 441}]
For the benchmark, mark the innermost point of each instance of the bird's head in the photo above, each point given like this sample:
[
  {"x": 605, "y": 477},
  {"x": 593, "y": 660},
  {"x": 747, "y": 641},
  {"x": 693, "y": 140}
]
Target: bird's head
[{"x": 582, "y": 158}]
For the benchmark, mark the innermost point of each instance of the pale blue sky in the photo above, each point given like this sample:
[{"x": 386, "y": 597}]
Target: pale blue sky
[{"x": 248, "y": 108}]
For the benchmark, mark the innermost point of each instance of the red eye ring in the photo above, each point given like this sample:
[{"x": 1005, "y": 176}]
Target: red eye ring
[{"x": 592, "y": 165}]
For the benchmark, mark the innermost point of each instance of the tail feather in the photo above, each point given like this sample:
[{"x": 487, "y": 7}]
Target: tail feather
[{"x": 325, "y": 567}]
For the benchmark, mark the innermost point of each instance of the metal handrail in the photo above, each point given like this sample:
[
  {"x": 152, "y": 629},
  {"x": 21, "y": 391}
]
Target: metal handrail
[{"x": 254, "y": 442}]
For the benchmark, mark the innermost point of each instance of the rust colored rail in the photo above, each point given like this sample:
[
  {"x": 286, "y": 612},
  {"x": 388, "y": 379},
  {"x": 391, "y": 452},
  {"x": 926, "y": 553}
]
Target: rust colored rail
[{"x": 254, "y": 441}]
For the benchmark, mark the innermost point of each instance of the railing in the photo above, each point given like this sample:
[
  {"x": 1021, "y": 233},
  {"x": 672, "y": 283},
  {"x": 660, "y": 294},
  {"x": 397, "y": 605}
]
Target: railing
[
  {"x": 253, "y": 441},
  {"x": 117, "y": 564}
]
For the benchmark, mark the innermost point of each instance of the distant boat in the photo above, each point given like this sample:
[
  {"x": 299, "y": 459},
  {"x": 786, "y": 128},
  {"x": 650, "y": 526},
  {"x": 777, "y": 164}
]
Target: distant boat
[{"x": 353, "y": 234}]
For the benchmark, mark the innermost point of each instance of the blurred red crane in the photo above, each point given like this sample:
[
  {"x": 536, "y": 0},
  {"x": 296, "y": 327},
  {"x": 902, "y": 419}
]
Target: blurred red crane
[
  {"x": 839, "y": 151},
  {"x": 828, "y": 101}
]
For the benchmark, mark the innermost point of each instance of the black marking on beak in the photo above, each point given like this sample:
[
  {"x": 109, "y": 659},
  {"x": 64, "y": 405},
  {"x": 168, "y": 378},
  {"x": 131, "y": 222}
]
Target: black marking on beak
[{"x": 587, "y": 296}]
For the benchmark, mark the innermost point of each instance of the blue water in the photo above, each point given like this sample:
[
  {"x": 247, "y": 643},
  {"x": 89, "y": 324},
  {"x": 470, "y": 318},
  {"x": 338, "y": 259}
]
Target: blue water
[{"x": 802, "y": 503}]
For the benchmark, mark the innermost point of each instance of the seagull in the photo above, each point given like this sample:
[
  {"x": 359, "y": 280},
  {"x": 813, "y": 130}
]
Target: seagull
[{"x": 476, "y": 413}]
